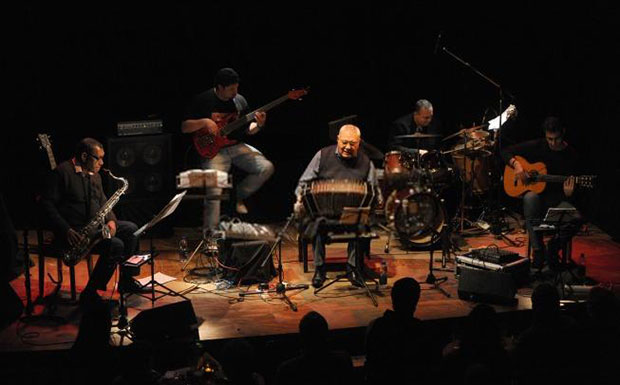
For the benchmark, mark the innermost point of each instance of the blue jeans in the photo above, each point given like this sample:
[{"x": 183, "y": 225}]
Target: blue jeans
[{"x": 247, "y": 158}]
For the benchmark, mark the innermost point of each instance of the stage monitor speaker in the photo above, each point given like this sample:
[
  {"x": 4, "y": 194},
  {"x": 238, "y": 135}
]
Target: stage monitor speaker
[
  {"x": 251, "y": 261},
  {"x": 486, "y": 286},
  {"x": 175, "y": 321},
  {"x": 145, "y": 161}
]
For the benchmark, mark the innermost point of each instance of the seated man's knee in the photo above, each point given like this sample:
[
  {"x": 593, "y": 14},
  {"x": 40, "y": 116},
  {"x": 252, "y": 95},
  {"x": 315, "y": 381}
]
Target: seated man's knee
[
  {"x": 531, "y": 197},
  {"x": 267, "y": 168}
]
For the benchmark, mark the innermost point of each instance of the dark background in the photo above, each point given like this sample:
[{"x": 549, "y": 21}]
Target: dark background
[{"x": 74, "y": 72}]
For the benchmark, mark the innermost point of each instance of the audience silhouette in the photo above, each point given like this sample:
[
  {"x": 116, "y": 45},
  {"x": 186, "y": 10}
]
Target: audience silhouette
[
  {"x": 398, "y": 345},
  {"x": 479, "y": 352},
  {"x": 317, "y": 363}
]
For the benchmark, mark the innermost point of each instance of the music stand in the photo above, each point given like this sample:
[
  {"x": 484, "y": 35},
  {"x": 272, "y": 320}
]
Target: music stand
[
  {"x": 559, "y": 221},
  {"x": 163, "y": 213},
  {"x": 559, "y": 215}
]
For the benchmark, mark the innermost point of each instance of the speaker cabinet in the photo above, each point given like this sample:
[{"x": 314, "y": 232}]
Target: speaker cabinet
[
  {"x": 486, "y": 286},
  {"x": 165, "y": 323},
  {"x": 146, "y": 163},
  {"x": 252, "y": 261}
]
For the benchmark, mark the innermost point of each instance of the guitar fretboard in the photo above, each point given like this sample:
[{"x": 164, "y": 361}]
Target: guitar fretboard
[{"x": 248, "y": 117}]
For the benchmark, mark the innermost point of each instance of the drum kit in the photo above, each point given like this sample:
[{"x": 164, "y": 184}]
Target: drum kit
[{"x": 422, "y": 187}]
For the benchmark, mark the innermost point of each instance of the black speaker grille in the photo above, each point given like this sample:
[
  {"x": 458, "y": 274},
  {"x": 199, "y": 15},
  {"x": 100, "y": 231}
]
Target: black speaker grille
[{"x": 146, "y": 163}]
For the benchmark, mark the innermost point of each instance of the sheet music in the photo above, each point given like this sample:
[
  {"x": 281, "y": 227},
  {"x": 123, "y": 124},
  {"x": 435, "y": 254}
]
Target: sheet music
[
  {"x": 167, "y": 210},
  {"x": 494, "y": 123}
]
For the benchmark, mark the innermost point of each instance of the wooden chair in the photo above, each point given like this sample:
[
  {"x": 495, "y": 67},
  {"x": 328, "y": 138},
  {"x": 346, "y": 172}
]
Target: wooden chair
[{"x": 47, "y": 249}]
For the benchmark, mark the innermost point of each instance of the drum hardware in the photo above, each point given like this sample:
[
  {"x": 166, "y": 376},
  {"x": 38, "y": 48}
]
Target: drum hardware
[
  {"x": 500, "y": 91},
  {"x": 469, "y": 158},
  {"x": 418, "y": 136}
]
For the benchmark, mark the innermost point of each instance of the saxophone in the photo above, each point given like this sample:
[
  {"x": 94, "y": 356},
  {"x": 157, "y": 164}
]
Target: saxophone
[{"x": 96, "y": 229}]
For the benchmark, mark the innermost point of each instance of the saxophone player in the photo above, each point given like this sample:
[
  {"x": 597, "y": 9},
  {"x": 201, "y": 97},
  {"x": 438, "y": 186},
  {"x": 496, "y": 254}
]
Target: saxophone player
[{"x": 72, "y": 196}]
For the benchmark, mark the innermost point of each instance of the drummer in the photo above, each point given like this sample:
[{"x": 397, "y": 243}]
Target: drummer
[
  {"x": 340, "y": 161},
  {"x": 420, "y": 121}
]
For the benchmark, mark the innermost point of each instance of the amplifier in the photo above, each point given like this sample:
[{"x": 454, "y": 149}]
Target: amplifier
[
  {"x": 494, "y": 255},
  {"x": 139, "y": 127},
  {"x": 519, "y": 269}
]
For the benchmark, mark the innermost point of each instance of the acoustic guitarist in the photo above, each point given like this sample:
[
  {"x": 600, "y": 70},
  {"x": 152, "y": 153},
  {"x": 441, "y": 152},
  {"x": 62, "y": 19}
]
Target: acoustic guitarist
[
  {"x": 560, "y": 159},
  {"x": 206, "y": 115}
]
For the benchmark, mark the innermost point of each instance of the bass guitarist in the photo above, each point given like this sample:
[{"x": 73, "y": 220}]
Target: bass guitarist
[
  {"x": 206, "y": 115},
  {"x": 561, "y": 159}
]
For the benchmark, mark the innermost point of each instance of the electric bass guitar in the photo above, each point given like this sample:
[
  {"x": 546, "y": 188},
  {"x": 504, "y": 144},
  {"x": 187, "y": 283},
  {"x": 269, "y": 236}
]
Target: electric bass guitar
[
  {"x": 538, "y": 179},
  {"x": 209, "y": 145},
  {"x": 45, "y": 144}
]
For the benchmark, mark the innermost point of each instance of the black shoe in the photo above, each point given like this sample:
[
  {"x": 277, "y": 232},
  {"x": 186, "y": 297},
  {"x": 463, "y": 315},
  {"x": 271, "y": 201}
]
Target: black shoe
[
  {"x": 319, "y": 277},
  {"x": 354, "y": 276},
  {"x": 131, "y": 286}
]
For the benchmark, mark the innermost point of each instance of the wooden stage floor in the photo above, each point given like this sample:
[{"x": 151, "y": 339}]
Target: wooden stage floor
[{"x": 222, "y": 315}]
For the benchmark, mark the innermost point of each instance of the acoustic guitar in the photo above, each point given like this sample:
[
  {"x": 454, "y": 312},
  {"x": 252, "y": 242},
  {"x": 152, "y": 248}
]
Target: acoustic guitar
[
  {"x": 209, "y": 145},
  {"x": 538, "y": 179}
]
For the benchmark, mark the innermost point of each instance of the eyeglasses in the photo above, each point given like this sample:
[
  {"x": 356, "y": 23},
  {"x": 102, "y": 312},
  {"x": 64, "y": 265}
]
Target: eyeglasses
[{"x": 95, "y": 157}]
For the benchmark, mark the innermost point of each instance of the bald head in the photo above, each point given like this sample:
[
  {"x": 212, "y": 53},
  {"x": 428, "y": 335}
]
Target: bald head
[{"x": 349, "y": 138}]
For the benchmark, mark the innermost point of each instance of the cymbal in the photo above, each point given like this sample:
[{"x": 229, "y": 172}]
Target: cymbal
[
  {"x": 465, "y": 131},
  {"x": 417, "y": 135}
]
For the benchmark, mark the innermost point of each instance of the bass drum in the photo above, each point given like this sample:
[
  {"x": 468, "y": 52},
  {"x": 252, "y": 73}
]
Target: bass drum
[{"x": 417, "y": 215}]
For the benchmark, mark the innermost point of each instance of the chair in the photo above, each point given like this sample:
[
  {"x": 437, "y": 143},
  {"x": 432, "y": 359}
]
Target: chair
[
  {"x": 47, "y": 249},
  {"x": 344, "y": 230},
  {"x": 339, "y": 235}
]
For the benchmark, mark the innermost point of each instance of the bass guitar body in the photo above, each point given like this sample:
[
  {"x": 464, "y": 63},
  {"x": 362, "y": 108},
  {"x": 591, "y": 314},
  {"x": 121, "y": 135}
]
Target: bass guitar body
[{"x": 209, "y": 145}]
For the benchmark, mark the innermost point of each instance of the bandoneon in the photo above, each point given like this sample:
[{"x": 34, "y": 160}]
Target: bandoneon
[{"x": 329, "y": 197}]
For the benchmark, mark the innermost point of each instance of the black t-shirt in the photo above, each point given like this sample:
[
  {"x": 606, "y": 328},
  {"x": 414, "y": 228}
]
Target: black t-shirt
[{"x": 206, "y": 104}]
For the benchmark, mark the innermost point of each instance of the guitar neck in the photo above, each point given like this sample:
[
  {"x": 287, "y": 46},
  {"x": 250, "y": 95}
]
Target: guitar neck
[
  {"x": 50, "y": 155},
  {"x": 250, "y": 116},
  {"x": 551, "y": 178}
]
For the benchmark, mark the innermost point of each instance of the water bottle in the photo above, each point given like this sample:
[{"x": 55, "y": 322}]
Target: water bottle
[
  {"x": 183, "y": 249},
  {"x": 383, "y": 275}
]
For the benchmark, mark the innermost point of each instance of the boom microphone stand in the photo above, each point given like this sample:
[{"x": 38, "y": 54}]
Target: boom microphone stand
[
  {"x": 280, "y": 288},
  {"x": 495, "y": 227}
]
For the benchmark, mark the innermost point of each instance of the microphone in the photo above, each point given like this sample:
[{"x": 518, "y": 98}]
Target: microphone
[{"x": 437, "y": 42}]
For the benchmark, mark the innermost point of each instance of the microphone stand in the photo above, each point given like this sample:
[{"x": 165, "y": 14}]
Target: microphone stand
[{"x": 496, "y": 227}]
